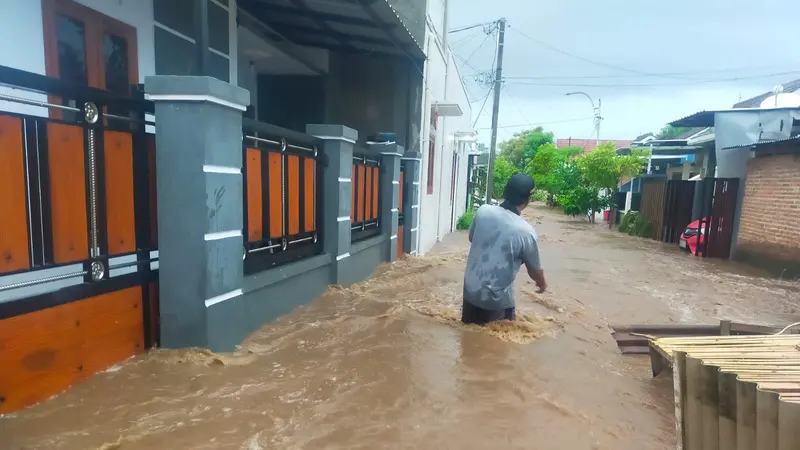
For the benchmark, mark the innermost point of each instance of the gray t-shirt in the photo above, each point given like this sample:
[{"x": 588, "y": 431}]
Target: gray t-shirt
[{"x": 501, "y": 242}]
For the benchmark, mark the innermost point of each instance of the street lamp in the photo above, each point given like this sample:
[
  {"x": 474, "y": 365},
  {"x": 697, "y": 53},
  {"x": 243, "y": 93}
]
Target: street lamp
[{"x": 597, "y": 116}]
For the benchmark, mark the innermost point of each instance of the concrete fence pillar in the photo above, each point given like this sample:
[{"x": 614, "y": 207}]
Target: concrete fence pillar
[
  {"x": 411, "y": 180},
  {"x": 389, "y": 195},
  {"x": 199, "y": 188},
  {"x": 337, "y": 148}
]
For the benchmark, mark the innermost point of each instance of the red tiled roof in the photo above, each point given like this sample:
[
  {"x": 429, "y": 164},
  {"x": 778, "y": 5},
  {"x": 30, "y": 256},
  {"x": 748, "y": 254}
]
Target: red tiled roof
[{"x": 590, "y": 144}]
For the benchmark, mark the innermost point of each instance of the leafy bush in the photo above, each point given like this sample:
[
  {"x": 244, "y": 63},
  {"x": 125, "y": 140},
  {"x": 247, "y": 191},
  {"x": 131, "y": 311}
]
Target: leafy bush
[
  {"x": 539, "y": 195},
  {"x": 626, "y": 225},
  {"x": 642, "y": 227},
  {"x": 578, "y": 201},
  {"x": 465, "y": 221}
]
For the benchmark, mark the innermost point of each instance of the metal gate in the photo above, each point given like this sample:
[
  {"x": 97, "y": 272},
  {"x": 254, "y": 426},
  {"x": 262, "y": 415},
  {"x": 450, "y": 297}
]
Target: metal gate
[
  {"x": 78, "y": 269},
  {"x": 653, "y": 198},
  {"x": 718, "y": 197},
  {"x": 401, "y": 216},
  {"x": 677, "y": 209}
]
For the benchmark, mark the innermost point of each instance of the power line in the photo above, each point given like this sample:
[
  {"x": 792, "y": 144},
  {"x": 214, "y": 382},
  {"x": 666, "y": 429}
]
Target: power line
[
  {"x": 469, "y": 27},
  {"x": 590, "y": 61},
  {"x": 687, "y": 83},
  {"x": 514, "y": 102},
  {"x": 533, "y": 125},
  {"x": 466, "y": 61},
  {"x": 580, "y": 77},
  {"x": 478, "y": 116}
]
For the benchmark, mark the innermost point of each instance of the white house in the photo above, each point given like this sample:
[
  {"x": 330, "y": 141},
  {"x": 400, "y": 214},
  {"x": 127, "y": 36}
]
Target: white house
[{"x": 446, "y": 135}]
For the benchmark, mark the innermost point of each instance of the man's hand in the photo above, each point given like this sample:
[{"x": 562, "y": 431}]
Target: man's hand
[{"x": 538, "y": 277}]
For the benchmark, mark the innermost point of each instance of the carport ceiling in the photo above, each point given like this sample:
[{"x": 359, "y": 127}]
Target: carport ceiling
[{"x": 352, "y": 26}]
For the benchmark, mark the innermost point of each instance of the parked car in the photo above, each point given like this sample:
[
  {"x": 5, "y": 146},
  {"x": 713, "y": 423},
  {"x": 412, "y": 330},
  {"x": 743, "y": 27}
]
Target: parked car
[
  {"x": 694, "y": 235},
  {"x": 691, "y": 235}
]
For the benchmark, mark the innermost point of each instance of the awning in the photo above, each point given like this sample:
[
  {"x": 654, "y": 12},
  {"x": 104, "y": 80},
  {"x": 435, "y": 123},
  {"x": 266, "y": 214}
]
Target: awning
[
  {"x": 447, "y": 109},
  {"x": 766, "y": 145},
  {"x": 352, "y": 26}
]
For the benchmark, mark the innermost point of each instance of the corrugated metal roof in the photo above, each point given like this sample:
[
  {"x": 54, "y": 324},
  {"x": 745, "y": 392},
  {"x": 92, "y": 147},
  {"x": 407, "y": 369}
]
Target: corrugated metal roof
[
  {"x": 763, "y": 145},
  {"x": 360, "y": 26},
  {"x": 755, "y": 102},
  {"x": 706, "y": 118}
]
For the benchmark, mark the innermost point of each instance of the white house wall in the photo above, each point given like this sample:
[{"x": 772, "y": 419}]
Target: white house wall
[
  {"x": 21, "y": 24},
  {"x": 436, "y": 216}
]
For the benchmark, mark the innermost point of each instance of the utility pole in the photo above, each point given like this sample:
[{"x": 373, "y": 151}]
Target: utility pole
[
  {"x": 498, "y": 81},
  {"x": 597, "y": 118}
]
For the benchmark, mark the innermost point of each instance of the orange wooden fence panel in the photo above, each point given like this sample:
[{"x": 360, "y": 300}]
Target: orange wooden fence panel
[
  {"x": 275, "y": 196},
  {"x": 374, "y": 193},
  {"x": 14, "y": 230},
  {"x": 67, "y": 192},
  {"x": 309, "y": 180},
  {"x": 360, "y": 194},
  {"x": 293, "y": 180},
  {"x": 120, "y": 222},
  {"x": 368, "y": 212},
  {"x": 46, "y": 351},
  {"x": 255, "y": 225},
  {"x": 400, "y": 240}
]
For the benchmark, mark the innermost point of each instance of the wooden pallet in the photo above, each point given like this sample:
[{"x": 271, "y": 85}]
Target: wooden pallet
[{"x": 733, "y": 392}]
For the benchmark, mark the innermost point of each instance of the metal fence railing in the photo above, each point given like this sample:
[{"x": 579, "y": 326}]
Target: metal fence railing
[
  {"x": 365, "y": 200},
  {"x": 282, "y": 220}
]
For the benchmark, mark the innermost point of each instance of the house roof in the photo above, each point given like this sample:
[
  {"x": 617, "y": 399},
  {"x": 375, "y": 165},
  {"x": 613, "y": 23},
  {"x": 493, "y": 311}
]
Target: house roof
[
  {"x": 690, "y": 132},
  {"x": 353, "y": 26},
  {"x": 767, "y": 145},
  {"x": 755, "y": 102},
  {"x": 590, "y": 144},
  {"x": 643, "y": 136}
]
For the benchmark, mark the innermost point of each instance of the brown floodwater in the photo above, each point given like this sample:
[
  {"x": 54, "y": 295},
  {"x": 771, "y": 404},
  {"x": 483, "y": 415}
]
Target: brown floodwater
[{"x": 386, "y": 363}]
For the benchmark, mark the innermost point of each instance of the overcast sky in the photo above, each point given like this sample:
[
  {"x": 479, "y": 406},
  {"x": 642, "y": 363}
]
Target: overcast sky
[{"x": 692, "y": 44}]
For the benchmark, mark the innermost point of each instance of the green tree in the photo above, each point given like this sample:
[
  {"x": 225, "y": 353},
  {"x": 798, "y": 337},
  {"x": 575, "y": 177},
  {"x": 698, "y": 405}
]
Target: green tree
[
  {"x": 549, "y": 168},
  {"x": 502, "y": 172},
  {"x": 670, "y": 132},
  {"x": 522, "y": 148},
  {"x": 603, "y": 168}
]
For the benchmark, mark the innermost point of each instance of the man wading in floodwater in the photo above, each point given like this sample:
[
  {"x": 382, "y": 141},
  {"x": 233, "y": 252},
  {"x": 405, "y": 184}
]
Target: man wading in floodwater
[{"x": 501, "y": 242}]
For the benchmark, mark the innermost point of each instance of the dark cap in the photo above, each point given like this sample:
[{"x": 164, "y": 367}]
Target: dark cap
[{"x": 519, "y": 188}]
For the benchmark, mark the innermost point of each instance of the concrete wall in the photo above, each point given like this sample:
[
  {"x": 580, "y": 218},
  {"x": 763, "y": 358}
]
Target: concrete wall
[
  {"x": 369, "y": 94},
  {"x": 769, "y": 231}
]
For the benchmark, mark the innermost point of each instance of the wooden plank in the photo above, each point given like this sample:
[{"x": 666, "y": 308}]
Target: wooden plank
[
  {"x": 120, "y": 222},
  {"x": 745, "y": 416},
  {"x": 14, "y": 250},
  {"x": 788, "y": 429},
  {"x": 360, "y": 194},
  {"x": 293, "y": 181},
  {"x": 255, "y": 201},
  {"x": 400, "y": 231},
  {"x": 47, "y": 351},
  {"x": 726, "y": 383},
  {"x": 375, "y": 192},
  {"x": 709, "y": 406},
  {"x": 369, "y": 211},
  {"x": 680, "y": 398},
  {"x": 67, "y": 192},
  {"x": 693, "y": 413},
  {"x": 275, "y": 195},
  {"x": 766, "y": 420},
  {"x": 309, "y": 192}
]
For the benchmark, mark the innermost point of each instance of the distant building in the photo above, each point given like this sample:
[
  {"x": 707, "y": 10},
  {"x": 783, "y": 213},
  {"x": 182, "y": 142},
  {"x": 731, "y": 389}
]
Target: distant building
[{"x": 590, "y": 144}]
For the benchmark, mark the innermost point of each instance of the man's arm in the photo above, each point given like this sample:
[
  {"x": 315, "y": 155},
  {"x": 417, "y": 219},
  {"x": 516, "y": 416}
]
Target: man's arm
[{"x": 533, "y": 264}]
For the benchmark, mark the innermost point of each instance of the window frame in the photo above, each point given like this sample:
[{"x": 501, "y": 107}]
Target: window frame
[
  {"x": 432, "y": 152},
  {"x": 96, "y": 25}
]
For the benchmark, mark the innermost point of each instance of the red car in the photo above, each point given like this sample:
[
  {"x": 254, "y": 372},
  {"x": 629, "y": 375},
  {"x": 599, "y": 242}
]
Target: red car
[
  {"x": 689, "y": 237},
  {"x": 694, "y": 234}
]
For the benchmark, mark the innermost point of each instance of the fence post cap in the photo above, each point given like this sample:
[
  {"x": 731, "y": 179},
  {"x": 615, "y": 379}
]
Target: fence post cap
[
  {"x": 328, "y": 132},
  {"x": 195, "y": 88}
]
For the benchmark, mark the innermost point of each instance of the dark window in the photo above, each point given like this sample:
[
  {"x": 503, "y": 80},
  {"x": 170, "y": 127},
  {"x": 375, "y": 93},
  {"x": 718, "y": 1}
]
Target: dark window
[
  {"x": 218, "y": 28},
  {"x": 432, "y": 151},
  {"x": 176, "y": 56},
  {"x": 71, "y": 38},
  {"x": 178, "y": 15}
]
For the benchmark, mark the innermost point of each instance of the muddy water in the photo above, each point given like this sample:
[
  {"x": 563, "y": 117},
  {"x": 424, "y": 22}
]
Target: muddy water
[{"x": 386, "y": 364}]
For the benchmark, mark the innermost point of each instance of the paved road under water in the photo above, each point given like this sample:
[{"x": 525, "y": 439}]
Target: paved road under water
[{"x": 385, "y": 364}]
